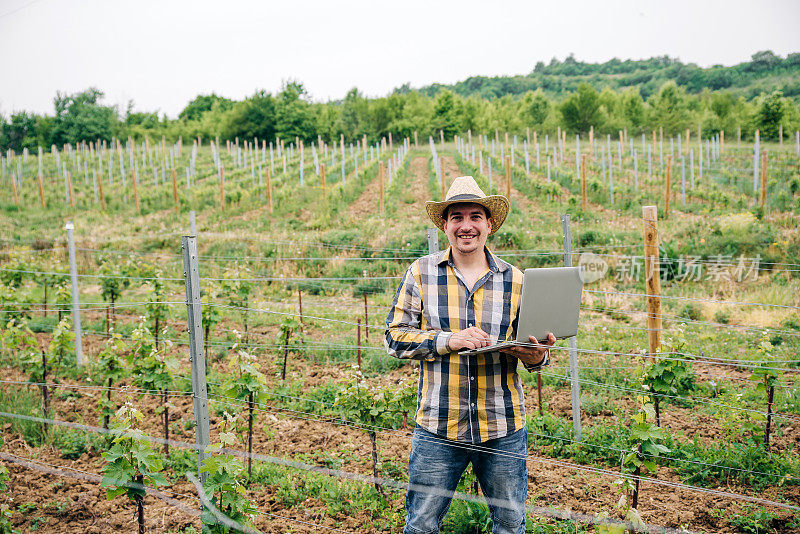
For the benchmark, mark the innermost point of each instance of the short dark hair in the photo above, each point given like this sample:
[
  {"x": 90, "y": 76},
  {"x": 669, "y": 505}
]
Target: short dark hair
[{"x": 447, "y": 209}]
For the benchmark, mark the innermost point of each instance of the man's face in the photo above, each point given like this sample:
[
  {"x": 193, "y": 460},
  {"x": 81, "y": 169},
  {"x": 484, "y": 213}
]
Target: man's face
[{"x": 467, "y": 227}]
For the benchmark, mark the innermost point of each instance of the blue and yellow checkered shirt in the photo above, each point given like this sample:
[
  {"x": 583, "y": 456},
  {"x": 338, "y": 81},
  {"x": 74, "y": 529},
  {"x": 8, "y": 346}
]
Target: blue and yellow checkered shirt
[{"x": 465, "y": 398}]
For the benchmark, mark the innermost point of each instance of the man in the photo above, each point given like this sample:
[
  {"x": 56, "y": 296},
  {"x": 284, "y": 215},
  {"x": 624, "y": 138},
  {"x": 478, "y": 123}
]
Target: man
[{"x": 470, "y": 409}]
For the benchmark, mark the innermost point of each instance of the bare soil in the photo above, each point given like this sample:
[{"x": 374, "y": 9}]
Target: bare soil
[{"x": 79, "y": 503}]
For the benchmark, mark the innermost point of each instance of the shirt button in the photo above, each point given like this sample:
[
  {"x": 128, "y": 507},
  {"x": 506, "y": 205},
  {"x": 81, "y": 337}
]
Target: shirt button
[
  {"x": 472, "y": 378},
  {"x": 473, "y": 404}
]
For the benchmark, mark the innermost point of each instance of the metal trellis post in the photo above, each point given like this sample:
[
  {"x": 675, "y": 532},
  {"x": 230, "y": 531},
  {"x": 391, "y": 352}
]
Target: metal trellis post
[
  {"x": 433, "y": 240},
  {"x": 573, "y": 344},
  {"x": 76, "y": 306},
  {"x": 197, "y": 356}
]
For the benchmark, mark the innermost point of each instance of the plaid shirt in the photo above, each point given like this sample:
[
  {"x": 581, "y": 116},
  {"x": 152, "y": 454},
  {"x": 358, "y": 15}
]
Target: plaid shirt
[{"x": 465, "y": 398}]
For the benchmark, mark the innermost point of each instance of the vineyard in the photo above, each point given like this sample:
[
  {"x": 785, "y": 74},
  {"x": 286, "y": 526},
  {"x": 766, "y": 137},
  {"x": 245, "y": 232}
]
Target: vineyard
[{"x": 192, "y": 332}]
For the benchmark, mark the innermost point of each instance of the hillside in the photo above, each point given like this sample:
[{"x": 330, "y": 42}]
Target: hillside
[{"x": 765, "y": 72}]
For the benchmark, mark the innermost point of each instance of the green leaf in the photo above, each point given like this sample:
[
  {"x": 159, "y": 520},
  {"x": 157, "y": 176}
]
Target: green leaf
[
  {"x": 116, "y": 492},
  {"x": 227, "y": 438}
]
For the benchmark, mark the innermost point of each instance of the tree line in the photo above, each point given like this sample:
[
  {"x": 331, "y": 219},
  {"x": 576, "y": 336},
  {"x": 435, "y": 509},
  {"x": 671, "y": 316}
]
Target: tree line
[
  {"x": 764, "y": 73},
  {"x": 290, "y": 113}
]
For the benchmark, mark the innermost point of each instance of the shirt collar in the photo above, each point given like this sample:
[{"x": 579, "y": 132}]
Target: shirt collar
[{"x": 496, "y": 265}]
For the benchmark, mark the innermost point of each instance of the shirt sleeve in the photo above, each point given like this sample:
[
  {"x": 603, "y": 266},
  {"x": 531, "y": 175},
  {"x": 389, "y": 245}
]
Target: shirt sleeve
[{"x": 403, "y": 336}]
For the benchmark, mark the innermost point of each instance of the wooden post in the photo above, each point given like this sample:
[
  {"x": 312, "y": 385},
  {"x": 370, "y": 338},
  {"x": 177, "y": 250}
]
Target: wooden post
[
  {"x": 583, "y": 182},
  {"x": 300, "y": 304},
  {"x": 380, "y": 187},
  {"x": 222, "y": 188},
  {"x": 763, "y": 200},
  {"x": 441, "y": 170},
  {"x": 652, "y": 277},
  {"x": 71, "y": 191},
  {"x": 416, "y": 140},
  {"x": 366, "y": 319},
  {"x": 285, "y": 354},
  {"x": 667, "y": 186},
  {"x": 174, "y": 189},
  {"x": 269, "y": 189},
  {"x": 539, "y": 391},
  {"x": 322, "y": 175},
  {"x": 134, "y": 180},
  {"x": 41, "y": 190},
  {"x": 721, "y": 141},
  {"x": 100, "y": 192},
  {"x": 508, "y": 172},
  {"x": 14, "y": 191}
]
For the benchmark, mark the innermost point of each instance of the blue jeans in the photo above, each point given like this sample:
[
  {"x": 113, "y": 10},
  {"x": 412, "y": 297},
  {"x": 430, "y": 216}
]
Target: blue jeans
[{"x": 437, "y": 462}]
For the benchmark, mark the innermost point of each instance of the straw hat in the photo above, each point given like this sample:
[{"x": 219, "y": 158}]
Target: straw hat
[{"x": 465, "y": 189}]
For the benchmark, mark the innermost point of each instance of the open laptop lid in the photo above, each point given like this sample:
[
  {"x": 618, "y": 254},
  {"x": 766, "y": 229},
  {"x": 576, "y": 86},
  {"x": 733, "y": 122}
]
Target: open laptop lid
[{"x": 550, "y": 302}]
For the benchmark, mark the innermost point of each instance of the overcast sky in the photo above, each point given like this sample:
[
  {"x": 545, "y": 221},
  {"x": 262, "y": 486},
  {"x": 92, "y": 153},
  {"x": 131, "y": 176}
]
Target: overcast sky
[{"x": 162, "y": 53}]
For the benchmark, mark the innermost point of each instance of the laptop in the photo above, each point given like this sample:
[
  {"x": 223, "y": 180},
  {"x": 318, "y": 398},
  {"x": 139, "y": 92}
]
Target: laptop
[{"x": 550, "y": 302}]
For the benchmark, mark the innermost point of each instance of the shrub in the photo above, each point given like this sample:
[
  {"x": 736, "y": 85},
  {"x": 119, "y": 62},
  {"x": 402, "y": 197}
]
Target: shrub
[{"x": 722, "y": 316}]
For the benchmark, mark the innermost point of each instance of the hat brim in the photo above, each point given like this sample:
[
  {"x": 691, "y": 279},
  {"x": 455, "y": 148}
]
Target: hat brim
[{"x": 496, "y": 204}]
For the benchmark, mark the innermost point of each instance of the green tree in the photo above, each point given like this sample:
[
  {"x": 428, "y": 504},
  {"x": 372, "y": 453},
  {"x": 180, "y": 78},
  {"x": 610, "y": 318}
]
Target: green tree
[
  {"x": 769, "y": 115},
  {"x": 669, "y": 109},
  {"x": 534, "y": 108},
  {"x": 353, "y": 119},
  {"x": 19, "y": 132},
  {"x": 293, "y": 115},
  {"x": 252, "y": 117},
  {"x": 201, "y": 104},
  {"x": 80, "y": 117},
  {"x": 722, "y": 104},
  {"x": 445, "y": 114},
  {"x": 581, "y": 110},
  {"x": 633, "y": 108}
]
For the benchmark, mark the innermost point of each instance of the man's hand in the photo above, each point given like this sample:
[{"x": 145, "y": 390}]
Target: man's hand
[
  {"x": 531, "y": 355},
  {"x": 470, "y": 338}
]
